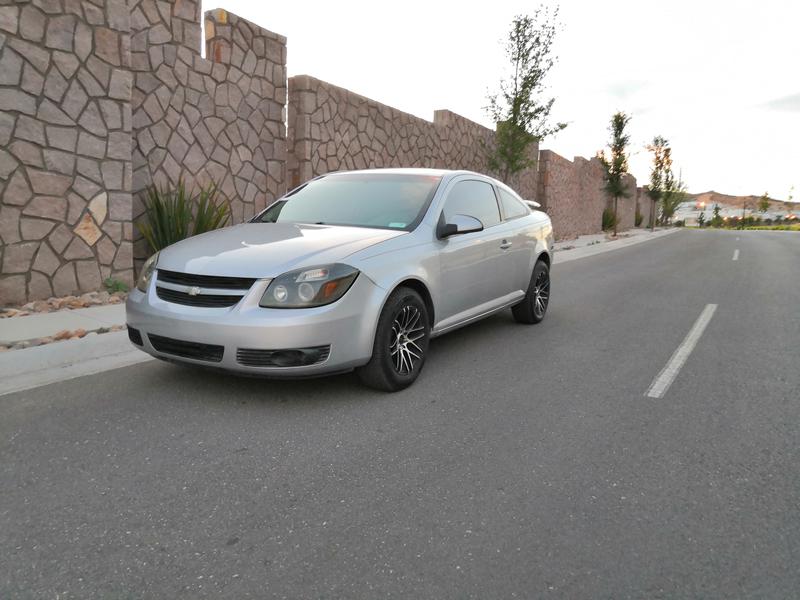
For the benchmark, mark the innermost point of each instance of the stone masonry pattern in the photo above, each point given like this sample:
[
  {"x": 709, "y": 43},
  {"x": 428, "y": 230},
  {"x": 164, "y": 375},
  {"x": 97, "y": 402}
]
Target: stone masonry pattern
[
  {"x": 65, "y": 147},
  {"x": 572, "y": 194},
  {"x": 334, "y": 129},
  {"x": 99, "y": 99},
  {"x": 218, "y": 120}
]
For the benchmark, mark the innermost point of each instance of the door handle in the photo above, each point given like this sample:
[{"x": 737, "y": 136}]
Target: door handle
[{"x": 505, "y": 245}]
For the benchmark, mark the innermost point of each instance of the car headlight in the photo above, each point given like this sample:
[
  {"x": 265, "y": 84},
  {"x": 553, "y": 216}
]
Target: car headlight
[
  {"x": 147, "y": 272},
  {"x": 306, "y": 288}
]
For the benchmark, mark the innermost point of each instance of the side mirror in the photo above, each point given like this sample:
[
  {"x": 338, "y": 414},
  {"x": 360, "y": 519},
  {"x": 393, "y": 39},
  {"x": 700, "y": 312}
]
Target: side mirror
[
  {"x": 533, "y": 204},
  {"x": 458, "y": 224}
]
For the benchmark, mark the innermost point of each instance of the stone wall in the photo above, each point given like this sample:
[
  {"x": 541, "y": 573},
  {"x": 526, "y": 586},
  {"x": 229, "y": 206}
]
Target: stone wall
[
  {"x": 626, "y": 206},
  {"x": 65, "y": 147},
  {"x": 219, "y": 119},
  {"x": 331, "y": 129},
  {"x": 101, "y": 98},
  {"x": 645, "y": 205},
  {"x": 572, "y": 193}
]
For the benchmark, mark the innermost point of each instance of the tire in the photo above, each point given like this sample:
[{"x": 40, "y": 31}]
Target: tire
[
  {"x": 533, "y": 307},
  {"x": 401, "y": 343}
]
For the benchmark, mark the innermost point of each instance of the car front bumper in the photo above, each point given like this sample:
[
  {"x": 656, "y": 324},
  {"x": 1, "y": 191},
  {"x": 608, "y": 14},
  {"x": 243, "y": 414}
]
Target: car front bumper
[{"x": 347, "y": 327}]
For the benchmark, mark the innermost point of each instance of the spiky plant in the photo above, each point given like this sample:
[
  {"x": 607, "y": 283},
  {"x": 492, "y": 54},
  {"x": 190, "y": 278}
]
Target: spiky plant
[{"x": 172, "y": 214}]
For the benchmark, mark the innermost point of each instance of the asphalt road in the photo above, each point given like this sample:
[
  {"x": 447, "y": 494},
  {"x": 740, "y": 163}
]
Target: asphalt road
[{"x": 527, "y": 462}]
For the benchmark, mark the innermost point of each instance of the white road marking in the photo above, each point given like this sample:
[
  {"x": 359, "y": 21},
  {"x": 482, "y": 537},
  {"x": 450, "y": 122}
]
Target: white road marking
[
  {"x": 736, "y": 254},
  {"x": 668, "y": 374}
]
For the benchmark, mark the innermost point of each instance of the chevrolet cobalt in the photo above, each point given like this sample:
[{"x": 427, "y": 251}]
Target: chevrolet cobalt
[{"x": 351, "y": 270}]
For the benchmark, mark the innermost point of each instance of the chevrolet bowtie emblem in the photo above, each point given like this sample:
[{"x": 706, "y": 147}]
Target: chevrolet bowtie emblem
[{"x": 193, "y": 291}]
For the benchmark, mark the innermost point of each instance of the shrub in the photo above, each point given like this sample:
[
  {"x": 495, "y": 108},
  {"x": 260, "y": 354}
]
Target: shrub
[
  {"x": 680, "y": 223},
  {"x": 172, "y": 215},
  {"x": 777, "y": 227},
  {"x": 114, "y": 285},
  {"x": 609, "y": 219},
  {"x": 637, "y": 220}
]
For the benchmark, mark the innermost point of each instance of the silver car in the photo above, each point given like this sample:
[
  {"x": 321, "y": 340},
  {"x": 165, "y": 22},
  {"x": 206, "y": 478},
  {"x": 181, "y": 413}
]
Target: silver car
[{"x": 351, "y": 270}]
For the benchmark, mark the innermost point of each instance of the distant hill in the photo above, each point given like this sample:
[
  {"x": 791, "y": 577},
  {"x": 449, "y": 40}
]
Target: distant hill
[{"x": 711, "y": 198}]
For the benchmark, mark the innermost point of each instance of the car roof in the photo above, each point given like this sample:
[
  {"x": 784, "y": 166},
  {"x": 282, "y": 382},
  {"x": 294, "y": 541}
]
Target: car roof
[
  {"x": 412, "y": 171},
  {"x": 444, "y": 173}
]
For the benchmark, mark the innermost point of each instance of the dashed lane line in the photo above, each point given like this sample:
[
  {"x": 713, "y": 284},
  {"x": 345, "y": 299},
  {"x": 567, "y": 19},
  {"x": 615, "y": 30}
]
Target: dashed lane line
[{"x": 668, "y": 374}]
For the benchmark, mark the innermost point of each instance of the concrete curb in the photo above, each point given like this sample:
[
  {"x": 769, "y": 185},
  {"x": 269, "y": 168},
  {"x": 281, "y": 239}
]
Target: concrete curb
[
  {"x": 33, "y": 367},
  {"x": 587, "y": 251},
  {"x": 41, "y": 325}
]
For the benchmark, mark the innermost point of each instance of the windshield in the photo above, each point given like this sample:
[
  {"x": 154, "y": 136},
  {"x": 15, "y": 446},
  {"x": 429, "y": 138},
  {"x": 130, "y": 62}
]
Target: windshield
[{"x": 386, "y": 201}]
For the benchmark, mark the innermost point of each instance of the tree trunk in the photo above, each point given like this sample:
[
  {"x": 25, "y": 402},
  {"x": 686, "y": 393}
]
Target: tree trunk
[{"x": 615, "y": 216}]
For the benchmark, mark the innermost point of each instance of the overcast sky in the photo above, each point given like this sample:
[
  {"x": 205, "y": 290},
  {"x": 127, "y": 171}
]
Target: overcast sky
[{"x": 719, "y": 79}]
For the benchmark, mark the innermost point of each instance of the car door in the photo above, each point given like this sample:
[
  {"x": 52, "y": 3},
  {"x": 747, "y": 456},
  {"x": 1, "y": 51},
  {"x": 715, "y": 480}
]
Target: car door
[
  {"x": 520, "y": 241},
  {"x": 469, "y": 262}
]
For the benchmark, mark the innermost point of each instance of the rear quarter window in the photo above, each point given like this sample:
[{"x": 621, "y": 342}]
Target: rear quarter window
[{"x": 512, "y": 206}]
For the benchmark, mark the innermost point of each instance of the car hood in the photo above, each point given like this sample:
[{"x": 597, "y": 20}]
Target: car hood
[{"x": 268, "y": 249}]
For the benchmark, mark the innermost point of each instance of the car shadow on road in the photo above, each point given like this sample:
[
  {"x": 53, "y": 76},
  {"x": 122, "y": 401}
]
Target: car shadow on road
[{"x": 445, "y": 356}]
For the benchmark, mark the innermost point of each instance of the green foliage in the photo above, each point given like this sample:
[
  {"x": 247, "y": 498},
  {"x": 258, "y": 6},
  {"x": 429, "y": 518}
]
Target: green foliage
[
  {"x": 209, "y": 214},
  {"x": 680, "y": 223},
  {"x": 674, "y": 192},
  {"x": 776, "y": 227},
  {"x": 616, "y": 165},
  {"x": 701, "y": 219},
  {"x": 510, "y": 155},
  {"x": 638, "y": 217},
  {"x": 610, "y": 221},
  {"x": 172, "y": 215},
  {"x": 519, "y": 109},
  {"x": 763, "y": 203},
  {"x": 656, "y": 187},
  {"x": 114, "y": 285}
]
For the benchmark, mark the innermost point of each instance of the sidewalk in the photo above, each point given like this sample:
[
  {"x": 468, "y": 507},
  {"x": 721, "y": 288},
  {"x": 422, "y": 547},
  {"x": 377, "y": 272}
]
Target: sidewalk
[
  {"x": 590, "y": 245},
  {"x": 62, "y": 360},
  {"x": 17, "y": 329}
]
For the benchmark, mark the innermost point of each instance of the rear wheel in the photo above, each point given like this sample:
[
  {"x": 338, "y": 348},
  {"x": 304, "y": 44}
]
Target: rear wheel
[
  {"x": 533, "y": 307},
  {"x": 401, "y": 343}
]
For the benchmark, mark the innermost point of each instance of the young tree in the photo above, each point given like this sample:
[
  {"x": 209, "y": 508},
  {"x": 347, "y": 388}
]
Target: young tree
[
  {"x": 716, "y": 221},
  {"x": 741, "y": 220},
  {"x": 519, "y": 109},
  {"x": 701, "y": 219},
  {"x": 656, "y": 188},
  {"x": 674, "y": 189},
  {"x": 763, "y": 203},
  {"x": 616, "y": 165},
  {"x": 788, "y": 204}
]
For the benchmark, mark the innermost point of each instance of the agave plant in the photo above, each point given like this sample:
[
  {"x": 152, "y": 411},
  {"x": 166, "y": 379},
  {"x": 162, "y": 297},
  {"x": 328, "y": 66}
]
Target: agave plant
[{"x": 171, "y": 214}]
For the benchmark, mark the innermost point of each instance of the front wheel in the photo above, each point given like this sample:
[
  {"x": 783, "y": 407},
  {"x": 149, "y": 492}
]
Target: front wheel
[
  {"x": 401, "y": 343},
  {"x": 534, "y": 306}
]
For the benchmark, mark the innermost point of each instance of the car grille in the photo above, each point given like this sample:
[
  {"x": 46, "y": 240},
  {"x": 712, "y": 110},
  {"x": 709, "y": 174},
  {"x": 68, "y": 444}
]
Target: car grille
[
  {"x": 295, "y": 357},
  {"x": 207, "y": 281},
  {"x": 195, "y": 350},
  {"x": 203, "y": 300}
]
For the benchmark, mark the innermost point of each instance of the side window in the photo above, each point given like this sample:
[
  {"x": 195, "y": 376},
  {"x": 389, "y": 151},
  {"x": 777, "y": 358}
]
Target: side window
[
  {"x": 512, "y": 207},
  {"x": 475, "y": 199}
]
